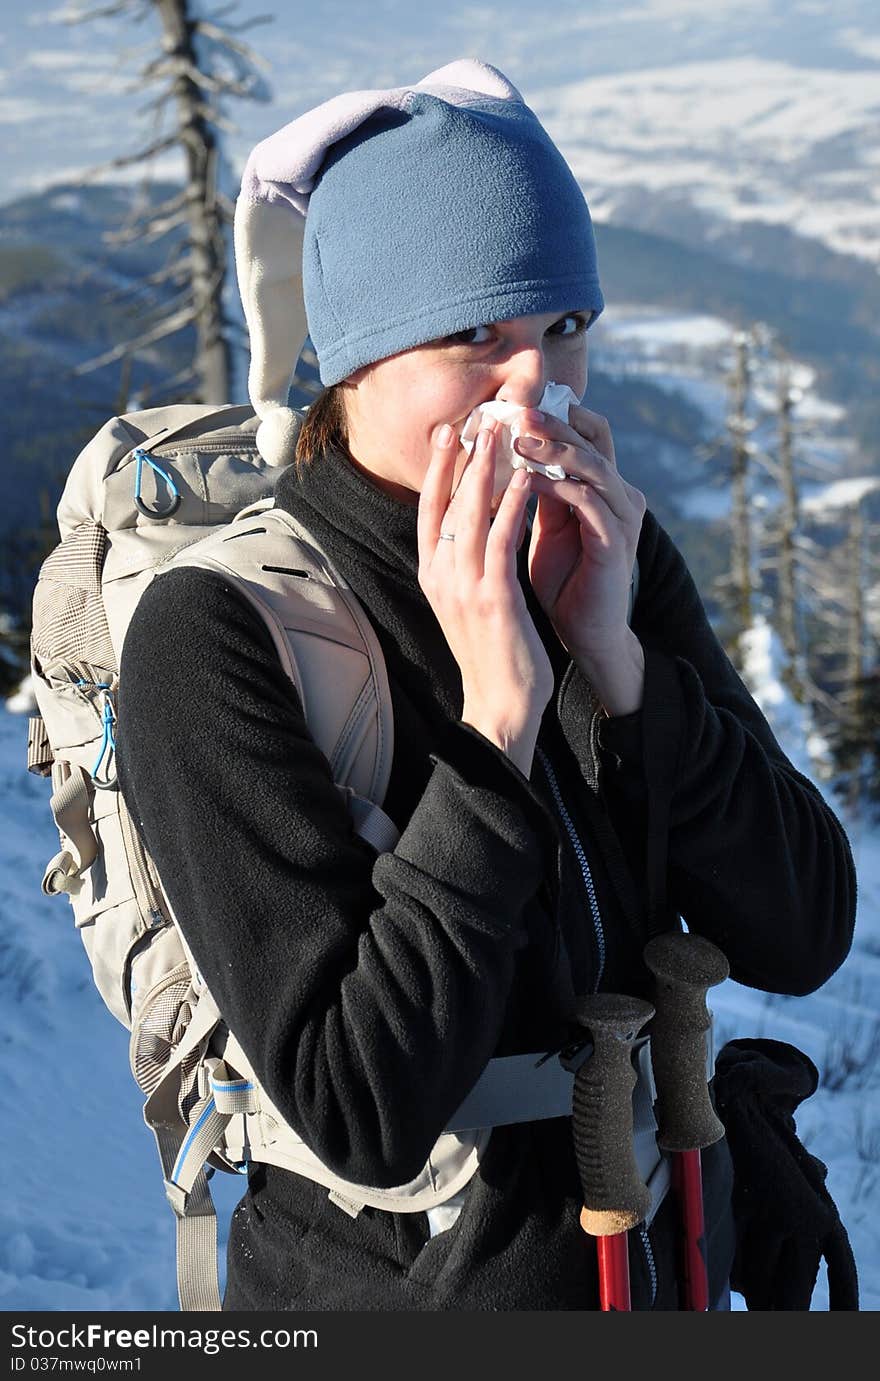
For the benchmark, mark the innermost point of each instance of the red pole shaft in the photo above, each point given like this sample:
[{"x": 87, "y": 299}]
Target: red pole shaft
[
  {"x": 613, "y": 1255},
  {"x": 688, "y": 1187}
]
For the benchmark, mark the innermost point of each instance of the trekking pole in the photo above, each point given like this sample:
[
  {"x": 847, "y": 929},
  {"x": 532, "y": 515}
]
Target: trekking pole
[
  {"x": 685, "y": 966},
  {"x": 615, "y": 1197}
]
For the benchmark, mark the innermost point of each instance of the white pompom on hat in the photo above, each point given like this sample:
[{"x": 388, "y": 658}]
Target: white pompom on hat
[{"x": 268, "y": 256}]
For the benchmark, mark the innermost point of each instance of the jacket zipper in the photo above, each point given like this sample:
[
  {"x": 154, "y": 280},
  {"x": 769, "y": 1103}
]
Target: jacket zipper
[
  {"x": 649, "y": 1257},
  {"x": 600, "y": 944},
  {"x": 582, "y": 861}
]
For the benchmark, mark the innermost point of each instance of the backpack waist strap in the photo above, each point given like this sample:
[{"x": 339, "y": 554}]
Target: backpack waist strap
[{"x": 511, "y": 1089}]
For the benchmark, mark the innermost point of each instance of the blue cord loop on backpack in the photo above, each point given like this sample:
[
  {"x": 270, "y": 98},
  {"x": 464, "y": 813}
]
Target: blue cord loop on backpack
[
  {"x": 104, "y": 770},
  {"x": 173, "y": 492},
  {"x": 107, "y": 751}
]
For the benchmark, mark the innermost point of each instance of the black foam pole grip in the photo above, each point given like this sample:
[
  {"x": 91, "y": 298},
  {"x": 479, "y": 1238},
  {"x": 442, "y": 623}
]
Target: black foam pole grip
[
  {"x": 684, "y": 966},
  {"x": 615, "y": 1197}
]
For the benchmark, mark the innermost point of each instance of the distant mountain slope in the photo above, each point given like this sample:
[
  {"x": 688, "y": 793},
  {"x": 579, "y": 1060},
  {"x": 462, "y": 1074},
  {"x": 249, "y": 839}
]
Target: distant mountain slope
[{"x": 753, "y": 135}]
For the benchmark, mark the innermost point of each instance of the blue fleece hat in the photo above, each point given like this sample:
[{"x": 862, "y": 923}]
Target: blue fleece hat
[{"x": 428, "y": 210}]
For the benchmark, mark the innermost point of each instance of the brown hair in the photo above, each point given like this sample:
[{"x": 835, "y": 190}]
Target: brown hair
[{"x": 325, "y": 426}]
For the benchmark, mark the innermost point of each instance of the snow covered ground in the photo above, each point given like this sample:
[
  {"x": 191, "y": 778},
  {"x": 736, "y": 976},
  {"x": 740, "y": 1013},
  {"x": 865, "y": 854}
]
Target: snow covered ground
[
  {"x": 839, "y": 1026},
  {"x": 84, "y": 1225}
]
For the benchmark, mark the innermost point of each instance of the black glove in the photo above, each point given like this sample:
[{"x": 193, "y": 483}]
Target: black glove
[{"x": 786, "y": 1221}]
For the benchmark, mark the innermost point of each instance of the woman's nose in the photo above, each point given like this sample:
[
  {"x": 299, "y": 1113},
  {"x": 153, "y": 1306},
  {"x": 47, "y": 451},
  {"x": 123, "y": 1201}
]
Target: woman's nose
[{"x": 523, "y": 377}]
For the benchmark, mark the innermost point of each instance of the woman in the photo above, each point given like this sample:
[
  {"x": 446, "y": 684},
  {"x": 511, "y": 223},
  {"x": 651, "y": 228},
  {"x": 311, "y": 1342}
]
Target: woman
[{"x": 568, "y": 778}]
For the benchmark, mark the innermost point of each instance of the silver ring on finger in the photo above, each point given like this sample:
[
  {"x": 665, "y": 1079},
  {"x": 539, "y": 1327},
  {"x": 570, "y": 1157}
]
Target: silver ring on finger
[{"x": 447, "y": 536}]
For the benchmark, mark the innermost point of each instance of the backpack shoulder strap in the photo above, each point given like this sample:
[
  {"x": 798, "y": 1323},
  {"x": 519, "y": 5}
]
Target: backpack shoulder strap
[{"x": 326, "y": 644}]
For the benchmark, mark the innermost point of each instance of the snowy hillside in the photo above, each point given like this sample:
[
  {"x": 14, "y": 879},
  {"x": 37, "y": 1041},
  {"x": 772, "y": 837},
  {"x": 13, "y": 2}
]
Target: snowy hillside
[
  {"x": 84, "y": 1225},
  {"x": 743, "y": 138},
  {"x": 762, "y": 108}
]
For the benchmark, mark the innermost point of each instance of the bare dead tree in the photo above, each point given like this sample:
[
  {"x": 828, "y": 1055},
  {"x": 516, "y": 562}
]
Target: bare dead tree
[
  {"x": 201, "y": 66},
  {"x": 779, "y": 572},
  {"x": 739, "y": 426},
  {"x": 788, "y": 525},
  {"x": 855, "y": 602},
  {"x": 855, "y": 736},
  {"x": 844, "y": 581}
]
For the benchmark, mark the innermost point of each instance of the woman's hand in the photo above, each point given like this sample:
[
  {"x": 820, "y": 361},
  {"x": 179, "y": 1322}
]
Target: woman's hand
[
  {"x": 583, "y": 549},
  {"x": 471, "y": 584}
]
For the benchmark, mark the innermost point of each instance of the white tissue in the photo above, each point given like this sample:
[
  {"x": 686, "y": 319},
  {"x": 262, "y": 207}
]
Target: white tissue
[{"x": 555, "y": 400}]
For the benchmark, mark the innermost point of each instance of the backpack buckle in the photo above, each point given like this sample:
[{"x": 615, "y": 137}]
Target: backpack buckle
[{"x": 176, "y": 1197}]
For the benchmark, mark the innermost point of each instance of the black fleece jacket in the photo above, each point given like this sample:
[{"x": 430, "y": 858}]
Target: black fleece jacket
[{"x": 369, "y": 992}]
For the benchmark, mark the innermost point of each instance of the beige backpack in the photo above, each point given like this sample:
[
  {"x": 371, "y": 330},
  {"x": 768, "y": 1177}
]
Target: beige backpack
[{"x": 152, "y": 490}]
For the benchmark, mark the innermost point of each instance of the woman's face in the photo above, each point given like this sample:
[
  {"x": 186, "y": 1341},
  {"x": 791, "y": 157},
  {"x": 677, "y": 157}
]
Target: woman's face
[{"x": 396, "y": 407}]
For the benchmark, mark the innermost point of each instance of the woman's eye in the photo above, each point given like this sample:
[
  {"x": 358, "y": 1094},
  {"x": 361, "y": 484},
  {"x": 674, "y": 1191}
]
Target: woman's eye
[
  {"x": 475, "y": 335},
  {"x": 572, "y": 325}
]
